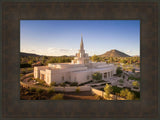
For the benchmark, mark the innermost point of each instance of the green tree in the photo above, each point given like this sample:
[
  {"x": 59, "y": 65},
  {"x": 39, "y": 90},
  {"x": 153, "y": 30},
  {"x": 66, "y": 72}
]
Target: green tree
[
  {"x": 108, "y": 89},
  {"x": 127, "y": 94},
  {"x": 135, "y": 84},
  {"x": 130, "y": 96},
  {"x": 123, "y": 92},
  {"x": 97, "y": 76},
  {"x": 95, "y": 58},
  {"x": 119, "y": 70}
]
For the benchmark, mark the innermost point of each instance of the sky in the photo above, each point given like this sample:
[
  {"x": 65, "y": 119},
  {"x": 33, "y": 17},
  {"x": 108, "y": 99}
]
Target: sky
[{"x": 63, "y": 37}]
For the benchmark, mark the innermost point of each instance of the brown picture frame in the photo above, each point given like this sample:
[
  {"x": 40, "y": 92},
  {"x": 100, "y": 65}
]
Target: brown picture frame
[{"x": 13, "y": 12}]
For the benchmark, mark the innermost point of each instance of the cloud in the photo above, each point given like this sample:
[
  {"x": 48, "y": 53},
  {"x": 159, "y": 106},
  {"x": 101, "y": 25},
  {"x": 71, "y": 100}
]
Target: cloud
[
  {"x": 132, "y": 52},
  {"x": 128, "y": 51},
  {"x": 51, "y": 51}
]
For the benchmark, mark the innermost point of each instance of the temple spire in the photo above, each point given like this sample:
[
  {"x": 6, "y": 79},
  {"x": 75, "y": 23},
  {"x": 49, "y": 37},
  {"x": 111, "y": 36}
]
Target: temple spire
[{"x": 81, "y": 45}]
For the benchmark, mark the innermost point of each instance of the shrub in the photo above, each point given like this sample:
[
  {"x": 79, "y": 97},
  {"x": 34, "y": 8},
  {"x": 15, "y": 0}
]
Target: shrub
[
  {"x": 57, "y": 97},
  {"x": 53, "y": 83},
  {"x": 29, "y": 79},
  {"x": 97, "y": 76},
  {"x": 123, "y": 92},
  {"x": 130, "y": 96},
  {"x": 51, "y": 90},
  {"x": 133, "y": 70},
  {"x": 121, "y": 81},
  {"x": 25, "y": 65},
  {"x": 135, "y": 84},
  {"x": 74, "y": 84},
  {"x": 63, "y": 84},
  {"x": 32, "y": 89},
  {"x": 41, "y": 82},
  {"x": 31, "y": 75},
  {"x": 67, "y": 82},
  {"x": 77, "y": 89},
  {"x": 39, "y": 90},
  {"x": 29, "y": 69},
  {"x": 133, "y": 78},
  {"x": 21, "y": 75},
  {"x": 127, "y": 94}
]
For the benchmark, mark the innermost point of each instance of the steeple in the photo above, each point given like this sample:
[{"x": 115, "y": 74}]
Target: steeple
[
  {"x": 81, "y": 45},
  {"x": 81, "y": 56}
]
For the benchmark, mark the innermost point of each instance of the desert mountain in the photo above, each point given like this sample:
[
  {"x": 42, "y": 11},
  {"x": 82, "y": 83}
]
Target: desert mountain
[{"x": 114, "y": 53}]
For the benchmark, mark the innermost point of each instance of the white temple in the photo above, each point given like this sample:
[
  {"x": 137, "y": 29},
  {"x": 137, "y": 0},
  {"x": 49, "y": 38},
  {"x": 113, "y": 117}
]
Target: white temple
[{"x": 79, "y": 70}]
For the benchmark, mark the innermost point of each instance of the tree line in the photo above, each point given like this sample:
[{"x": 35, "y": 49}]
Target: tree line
[
  {"x": 125, "y": 60},
  {"x": 29, "y": 61}
]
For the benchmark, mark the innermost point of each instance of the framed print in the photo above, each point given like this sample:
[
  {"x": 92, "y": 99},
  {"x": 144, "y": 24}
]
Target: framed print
[
  {"x": 51, "y": 69},
  {"x": 17, "y": 34}
]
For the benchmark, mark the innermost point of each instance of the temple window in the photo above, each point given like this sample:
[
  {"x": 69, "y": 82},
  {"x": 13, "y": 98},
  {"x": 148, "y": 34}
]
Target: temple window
[
  {"x": 105, "y": 75},
  {"x": 62, "y": 78},
  {"x": 88, "y": 77}
]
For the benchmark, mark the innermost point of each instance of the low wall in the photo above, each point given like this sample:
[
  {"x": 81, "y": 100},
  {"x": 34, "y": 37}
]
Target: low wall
[
  {"x": 102, "y": 94},
  {"x": 72, "y": 89},
  {"x": 59, "y": 88}
]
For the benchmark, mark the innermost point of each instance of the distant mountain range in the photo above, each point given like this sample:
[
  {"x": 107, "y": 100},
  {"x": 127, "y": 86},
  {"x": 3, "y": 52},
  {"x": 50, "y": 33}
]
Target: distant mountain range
[
  {"x": 114, "y": 53},
  {"x": 111, "y": 53},
  {"x": 23, "y": 54},
  {"x": 28, "y": 54}
]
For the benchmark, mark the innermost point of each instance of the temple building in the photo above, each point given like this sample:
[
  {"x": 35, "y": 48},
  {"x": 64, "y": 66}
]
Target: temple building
[{"x": 79, "y": 70}]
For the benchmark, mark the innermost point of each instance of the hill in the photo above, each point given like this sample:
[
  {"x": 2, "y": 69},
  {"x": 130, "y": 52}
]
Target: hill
[
  {"x": 28, "y": 54},
  {"x": 23, "y": 54},
  {"x": 114, "y": 53}
]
